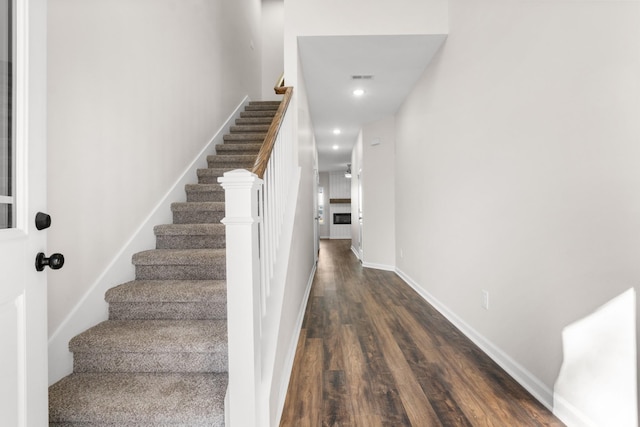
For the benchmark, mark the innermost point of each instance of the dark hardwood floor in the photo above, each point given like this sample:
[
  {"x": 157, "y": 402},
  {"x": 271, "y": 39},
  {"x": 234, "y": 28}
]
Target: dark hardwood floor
[{"x": 373, "y": 353}]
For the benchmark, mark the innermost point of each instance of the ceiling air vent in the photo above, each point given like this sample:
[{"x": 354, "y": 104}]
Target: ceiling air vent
[{"x": 361, "y": 77}]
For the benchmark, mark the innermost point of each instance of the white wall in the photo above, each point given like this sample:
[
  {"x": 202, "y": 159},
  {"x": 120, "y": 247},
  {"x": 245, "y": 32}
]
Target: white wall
[
  {"x": 517, "y": 171},
  {"x": 378, "y": 194},
  {"x": 339, "y": 185},
  {"x": 136, "y": 89},
  {"x": 272, "y": 46},
  {"x": 364, "y": 17}
]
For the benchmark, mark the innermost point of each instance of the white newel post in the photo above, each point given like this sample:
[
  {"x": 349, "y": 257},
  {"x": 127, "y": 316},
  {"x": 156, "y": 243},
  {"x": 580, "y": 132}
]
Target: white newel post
[{"x": 243, "y": 296}]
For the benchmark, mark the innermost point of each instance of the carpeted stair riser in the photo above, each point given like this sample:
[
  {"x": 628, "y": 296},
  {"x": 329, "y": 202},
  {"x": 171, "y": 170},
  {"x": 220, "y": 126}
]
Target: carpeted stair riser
[
  {"x": 233, "y": 149},
  {"x": 232, "y": 161},
  {"x": 141, "y": 399},
  {"x": 148, "y": 362},
  {"x": 161, "y": 358},
  {"x": 197, "y": 213},
  {"x": 190, "y": 236},
  {"x": 167, "y": 310},
  {"x": 167, "y": 299},
  {"x": 219, "y": 163},
  {"x": 190, "y": 242},
  {"x": 180, "y": 272},
  {"x": 251, "y": 138},
  {"x": 254, "y": 121}
]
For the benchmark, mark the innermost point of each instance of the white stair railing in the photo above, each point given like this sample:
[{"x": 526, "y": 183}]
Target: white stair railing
[{"x": 257, "y": 204}]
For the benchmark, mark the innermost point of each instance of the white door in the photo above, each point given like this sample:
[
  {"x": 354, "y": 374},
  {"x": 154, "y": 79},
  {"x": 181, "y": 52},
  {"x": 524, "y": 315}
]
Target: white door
[
  {"x": 316, "y": 236},
  {"x": 23, "y": 293},
  {"x": 360, "y": 250}
]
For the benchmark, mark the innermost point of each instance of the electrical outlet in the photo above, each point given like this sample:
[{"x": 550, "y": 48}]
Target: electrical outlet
[
  {"x": 485, "y": 299},
  {"x": 401, "y": 254}
]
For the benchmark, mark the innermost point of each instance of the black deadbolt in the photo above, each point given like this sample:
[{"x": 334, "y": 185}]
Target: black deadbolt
[
  {"x": 55, "y": 261},
  {"x": 43, "y": 221}
]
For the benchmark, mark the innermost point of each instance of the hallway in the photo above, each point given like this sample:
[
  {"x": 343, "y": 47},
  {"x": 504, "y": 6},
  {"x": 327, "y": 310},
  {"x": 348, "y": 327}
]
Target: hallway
[{"x": 373, "y": 353}]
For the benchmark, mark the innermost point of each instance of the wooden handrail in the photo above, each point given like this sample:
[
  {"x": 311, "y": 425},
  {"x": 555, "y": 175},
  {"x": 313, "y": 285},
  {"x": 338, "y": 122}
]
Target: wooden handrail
[{"x": 260, "y": 166}]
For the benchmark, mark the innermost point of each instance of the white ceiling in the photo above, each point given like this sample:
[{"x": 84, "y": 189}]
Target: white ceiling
[{"x": 328, "y": 64}]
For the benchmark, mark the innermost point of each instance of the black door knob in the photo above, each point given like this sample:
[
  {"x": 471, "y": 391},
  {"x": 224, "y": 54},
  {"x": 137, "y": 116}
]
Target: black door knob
[
  {"x": 55, "y": 261},
  {"x": 43, "y": 221}
]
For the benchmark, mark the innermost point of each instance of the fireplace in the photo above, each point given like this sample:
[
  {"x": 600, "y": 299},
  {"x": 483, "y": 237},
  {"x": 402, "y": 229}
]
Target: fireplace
[{"x": 342, "y": 218}]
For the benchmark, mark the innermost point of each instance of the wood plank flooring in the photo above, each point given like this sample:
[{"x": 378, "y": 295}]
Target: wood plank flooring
[{"x": 373, "y": 353}]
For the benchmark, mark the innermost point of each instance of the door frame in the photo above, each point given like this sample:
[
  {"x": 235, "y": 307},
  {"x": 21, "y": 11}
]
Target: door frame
[{"x": 25, "y": 292}]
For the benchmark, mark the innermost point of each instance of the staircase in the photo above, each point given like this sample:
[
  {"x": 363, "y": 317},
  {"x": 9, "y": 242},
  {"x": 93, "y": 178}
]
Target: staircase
[{"x": 161, "y": 358}]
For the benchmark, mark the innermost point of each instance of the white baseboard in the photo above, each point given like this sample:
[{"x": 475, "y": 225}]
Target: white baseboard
[
  {"x": 525, "y": 378},
  {"x": 288, "y": 364},
  {"x": 374, "y": 265},
  {"x": 355, "y": 251},
  {"x": 379, "y": 266},
  {"x": 92, "y": 308}
]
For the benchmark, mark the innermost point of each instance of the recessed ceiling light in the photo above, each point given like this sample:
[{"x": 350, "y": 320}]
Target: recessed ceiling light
[
  {"x": 336, "y": 131},
  {"x": 358, "y": 92},
  {"x": 335, "y": 147}
]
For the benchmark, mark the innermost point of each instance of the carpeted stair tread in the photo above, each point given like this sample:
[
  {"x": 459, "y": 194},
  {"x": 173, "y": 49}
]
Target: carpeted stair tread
[
  {"x": 204, "y": 193},
  {"x": 234, "y": 165},
  {"x": 180, "y": 264},
  {"x": 267, "y": 113},
  {"x": 153, "y": 336},
  {"x": 211, "y": 175},
  {"x": 155, "y": 345},
  {"x": 189, "y": 399},
  {"x": 245, "y": 158},
  {"x": 179, "y": 257},
  {"x": 261, "y": 107},
  {"x": 204, "y": 187},
  {"x": 168, "y": 291},
  {"x": 244, "y": 137},
  {"x": 198, "y": 206},
  {"x": 205, "y": 206},
  {"x": 188, "y": 229},
  {"x": 264, "y": 128},
  {"x": 254, "y": 121},
  {"x": 168, "y": 299},
  {"x": 272, "y": 102},
  {"x": 234, "y": 161}
]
